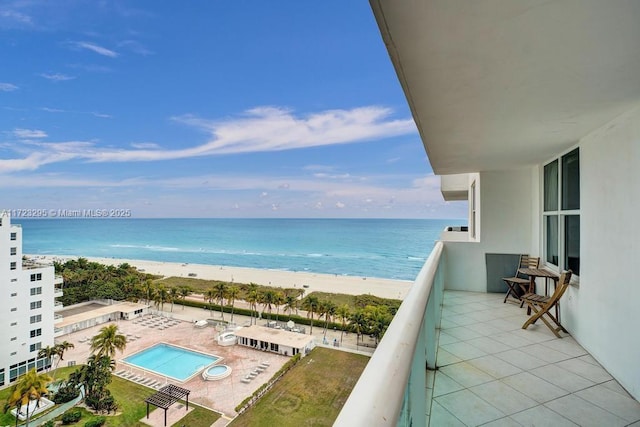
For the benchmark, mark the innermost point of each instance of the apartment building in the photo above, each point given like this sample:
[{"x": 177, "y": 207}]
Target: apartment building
[{"x": 27, "y": 290}]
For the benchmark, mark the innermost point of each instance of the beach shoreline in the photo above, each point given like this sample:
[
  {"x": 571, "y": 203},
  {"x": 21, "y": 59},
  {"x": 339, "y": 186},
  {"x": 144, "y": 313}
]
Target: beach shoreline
[{"x": 351, "y": 285}]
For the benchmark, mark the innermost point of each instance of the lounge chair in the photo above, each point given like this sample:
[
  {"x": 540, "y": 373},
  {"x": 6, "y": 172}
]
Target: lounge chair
[{"x": 541, "y": 305}]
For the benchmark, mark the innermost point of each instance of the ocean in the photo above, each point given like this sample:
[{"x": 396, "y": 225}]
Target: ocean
[{"x": 385, "y": 248}]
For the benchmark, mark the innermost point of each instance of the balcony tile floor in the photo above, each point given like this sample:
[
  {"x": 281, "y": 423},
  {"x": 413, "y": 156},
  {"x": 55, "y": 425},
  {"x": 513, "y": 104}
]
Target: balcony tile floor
[{"x": 491, "y": 372}]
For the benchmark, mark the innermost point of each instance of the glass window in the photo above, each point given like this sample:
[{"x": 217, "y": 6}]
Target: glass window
[
  {"x": 551, "y": 186},
  {"x": 13, "y": 236},
  {"x": 572, "y": 242},
  {"x": 571, "y": 181},
  {"x": 561, "y": 221},
  {"x": 13, "y": 251},
  {"x": 13, "y": 265},
  {"x": 552, "y": 239}
]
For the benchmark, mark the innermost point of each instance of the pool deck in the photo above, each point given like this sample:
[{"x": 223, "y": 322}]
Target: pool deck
[{"x": 220, "y": 395}]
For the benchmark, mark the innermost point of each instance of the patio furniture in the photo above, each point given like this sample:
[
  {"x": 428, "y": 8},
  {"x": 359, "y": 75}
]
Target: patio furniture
[
  {"x": 541, "y": 305},
  {"x": 520, "y": 284}
]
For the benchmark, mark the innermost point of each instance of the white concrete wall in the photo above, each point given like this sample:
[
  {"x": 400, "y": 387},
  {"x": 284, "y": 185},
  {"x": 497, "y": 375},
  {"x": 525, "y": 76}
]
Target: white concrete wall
[
  {"x": 16, "y": 324},
  {"x": 603, "y": 313},
  {"x": 507, "y": 214}
]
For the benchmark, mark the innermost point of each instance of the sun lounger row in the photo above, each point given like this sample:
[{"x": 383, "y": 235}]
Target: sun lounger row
[{"x": 131, "y": 376}]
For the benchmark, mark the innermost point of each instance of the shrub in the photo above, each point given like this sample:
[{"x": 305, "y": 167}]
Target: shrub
[
  {"x": 71, "y": 416},
  {"x": 97, "y": 422},
  {"x": 49, "y": 423},
  {"x": 66, "y": 394}
]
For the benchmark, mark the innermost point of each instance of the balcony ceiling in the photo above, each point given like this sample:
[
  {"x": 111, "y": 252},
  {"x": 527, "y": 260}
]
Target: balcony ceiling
[{"x": 495, "y": 84}]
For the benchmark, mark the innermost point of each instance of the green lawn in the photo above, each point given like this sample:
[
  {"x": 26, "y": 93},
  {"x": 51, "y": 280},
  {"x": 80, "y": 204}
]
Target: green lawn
[
  {"x": 312, "y": 393},
  {"x": 130, "y": 398}
]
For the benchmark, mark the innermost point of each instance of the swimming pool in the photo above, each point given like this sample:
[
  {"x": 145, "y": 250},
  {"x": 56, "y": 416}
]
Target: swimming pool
[{"x": 171, "y": 361}]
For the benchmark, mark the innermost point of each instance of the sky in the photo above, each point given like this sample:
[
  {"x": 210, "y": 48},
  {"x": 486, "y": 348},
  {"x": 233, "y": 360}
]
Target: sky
[{"x": 207, "y": 109}]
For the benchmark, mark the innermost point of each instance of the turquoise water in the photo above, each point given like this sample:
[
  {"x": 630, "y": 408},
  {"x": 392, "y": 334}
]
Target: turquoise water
[
  {"x": 170, "y": 361},
  {"x": 386, "y": 248},
  {"x": 217, "y": 370}
]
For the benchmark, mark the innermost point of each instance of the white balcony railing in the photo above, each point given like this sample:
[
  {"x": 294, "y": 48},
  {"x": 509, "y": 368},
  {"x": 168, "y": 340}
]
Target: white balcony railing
[{"x": 392, "y": 389}]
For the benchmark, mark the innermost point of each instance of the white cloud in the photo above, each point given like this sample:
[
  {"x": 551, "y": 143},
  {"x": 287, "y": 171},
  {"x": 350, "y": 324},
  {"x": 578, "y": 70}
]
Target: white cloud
[
  {"x": 57, "y": 77},
  {"x": 334, "y": 176},
  {"x": 15, "y": 16},
  {"x": 135, "y": 47},
  {"x": 29, "y": 133},
  {"x": 145, "y": 145},
  {"x": 95, "y": 48},
  {"x": 259, "y": 130},
  {"x": 101, "y": 115},
  {"x": 52, "y": 110},
  {"x": 264, "y": 194},
  {"x": 7, "y": 87},
  {"x": 340, "y": 205}
]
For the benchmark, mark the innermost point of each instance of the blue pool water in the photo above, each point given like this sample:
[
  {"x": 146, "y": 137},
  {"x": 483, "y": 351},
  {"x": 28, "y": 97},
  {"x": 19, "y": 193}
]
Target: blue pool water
[
  {"x": 170, "y": 361},
  {"x": 217, "y": 370}
]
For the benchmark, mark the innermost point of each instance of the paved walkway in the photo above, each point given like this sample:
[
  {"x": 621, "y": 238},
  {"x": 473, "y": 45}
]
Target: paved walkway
[{"x": 494, "y": 373}]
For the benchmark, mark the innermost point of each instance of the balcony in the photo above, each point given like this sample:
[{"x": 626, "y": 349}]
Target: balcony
[
  {"x": 58, "y": 292},
  {"x": 58, "y": 280},
  {"x": 489, "y": 370},
  {"x": 57, "y": 306},
  {"x": 57, "y": 318}
]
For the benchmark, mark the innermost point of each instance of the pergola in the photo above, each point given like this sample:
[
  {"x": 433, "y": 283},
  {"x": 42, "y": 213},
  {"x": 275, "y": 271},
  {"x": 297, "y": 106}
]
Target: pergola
[{"x": 167, "y": 396}]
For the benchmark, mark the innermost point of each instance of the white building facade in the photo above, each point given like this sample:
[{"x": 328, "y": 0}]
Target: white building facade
[{"x": 27, "y": 290}]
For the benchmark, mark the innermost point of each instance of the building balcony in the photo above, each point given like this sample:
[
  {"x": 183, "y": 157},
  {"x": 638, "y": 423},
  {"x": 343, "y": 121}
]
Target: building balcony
[
  {"x": 57, "y": 306},
  {"x": 57, "y": 318},
  {"x": 481, "y": 367},
  {"x": 58, "y": 292},
  {"x": 58, "y": 280}
]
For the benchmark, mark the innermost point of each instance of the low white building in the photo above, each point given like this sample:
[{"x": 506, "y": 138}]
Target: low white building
[
  {"x": 275, "y": 340},
  {"x": 91, "y": 313},
  {"x": 28, "y": 290}
]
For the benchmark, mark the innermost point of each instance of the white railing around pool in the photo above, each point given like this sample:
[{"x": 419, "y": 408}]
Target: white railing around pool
[{"x": 392, "y": 389}]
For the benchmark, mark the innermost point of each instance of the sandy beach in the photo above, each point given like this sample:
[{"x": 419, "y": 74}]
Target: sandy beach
[{"x": 353, "y": 285}]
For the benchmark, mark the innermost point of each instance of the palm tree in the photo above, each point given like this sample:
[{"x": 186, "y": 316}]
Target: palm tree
[
  {"x": 108, "y": 341},
  {"x": 329, "y": 311},
  {"x": 61, "y": 348},
  {"x": 279, "y": 300},
  {"x": 174, "y": 294},
  {"x": 358, "y": 324},
  {"x": 221, "y": 291},
  {"x": 161, "y": 296},
  {"x": 209, "y": 296},
  {"x": 147, "y": 290},
  {"x": 290, "y": 304},
  {"x": 268, "y": 300},
  {"x": 31, "y": 386},
  {"x": 379, "y": 319},
  {"x": 57, "y": 350},
  {"x": 185, "y": 291},
  {"x": 344, "y": 313},
  {"x": 232, "y": 294},
  {"x": 47, "y": 353},
  {"x": 252, "y": 299},
  {"x": 311, "y": 304}
]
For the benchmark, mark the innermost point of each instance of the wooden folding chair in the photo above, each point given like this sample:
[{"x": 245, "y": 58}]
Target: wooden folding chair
[
  {"x": 541, "y": 305},
  {"x": 519, "y": 283}
]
